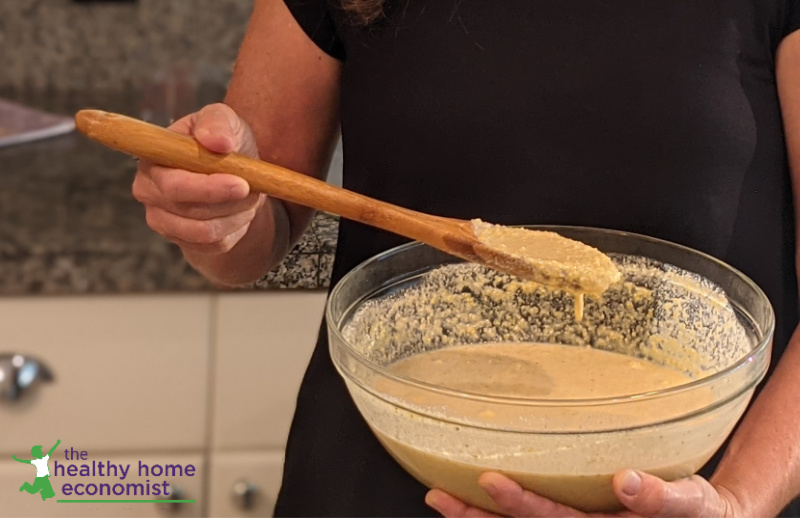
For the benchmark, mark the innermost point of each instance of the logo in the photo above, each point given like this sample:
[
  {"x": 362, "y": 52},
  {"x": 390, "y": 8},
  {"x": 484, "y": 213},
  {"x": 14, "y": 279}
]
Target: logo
[
  {"x": 103, "y": 481},
  {"x": 42, "y": 483}
]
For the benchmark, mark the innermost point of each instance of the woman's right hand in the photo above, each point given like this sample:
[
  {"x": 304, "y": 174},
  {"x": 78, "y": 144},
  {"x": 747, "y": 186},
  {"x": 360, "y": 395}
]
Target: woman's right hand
[{"x": 206, "y": 215}]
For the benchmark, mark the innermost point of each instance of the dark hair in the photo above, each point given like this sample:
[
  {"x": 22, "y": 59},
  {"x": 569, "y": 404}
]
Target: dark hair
[{"x": 363, "y": 12}]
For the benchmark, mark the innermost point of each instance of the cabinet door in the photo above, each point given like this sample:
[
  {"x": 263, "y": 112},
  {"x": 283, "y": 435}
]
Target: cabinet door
[
  {"x": 130, "y": 373},
  {"x": 245, "y": 484},
  {"x": 134, "y": 486},
  {"x": 263, "y": 344}
]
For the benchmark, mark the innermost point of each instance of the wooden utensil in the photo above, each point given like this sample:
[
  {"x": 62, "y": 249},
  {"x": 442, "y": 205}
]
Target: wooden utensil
[
  {"x": 453, "y": 236},
  {"x": 164, "y": 147}
]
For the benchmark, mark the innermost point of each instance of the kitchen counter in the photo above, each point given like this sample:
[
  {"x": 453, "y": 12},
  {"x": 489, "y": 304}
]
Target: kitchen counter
[{"x": 69, "y": 224}]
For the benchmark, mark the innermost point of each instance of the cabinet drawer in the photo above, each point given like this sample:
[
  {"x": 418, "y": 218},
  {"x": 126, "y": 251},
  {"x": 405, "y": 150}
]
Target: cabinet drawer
[
  {"x": 260, "y": 470},
  {"x": 263, "y": 344},
  {"x": 130, "y": 373},
  {"x": 20, "y": 504}
]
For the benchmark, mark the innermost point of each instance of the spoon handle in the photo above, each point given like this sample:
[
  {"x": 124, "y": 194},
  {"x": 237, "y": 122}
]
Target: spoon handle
[{"x": 164, "y": 147}]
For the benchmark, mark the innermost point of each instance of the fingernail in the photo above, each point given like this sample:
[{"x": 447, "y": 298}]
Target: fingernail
[
  {"x": 432, "y": 501},
  {"x": 631, "y": 483},
  {"x": 489, "y": 487},
  {"x": 238, "y": 191},
  {"x": 217, "y": 141}
]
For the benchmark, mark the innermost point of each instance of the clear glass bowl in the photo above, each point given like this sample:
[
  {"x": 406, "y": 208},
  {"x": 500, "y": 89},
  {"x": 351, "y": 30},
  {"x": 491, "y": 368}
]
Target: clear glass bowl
[{"x": 567, "y": 450}]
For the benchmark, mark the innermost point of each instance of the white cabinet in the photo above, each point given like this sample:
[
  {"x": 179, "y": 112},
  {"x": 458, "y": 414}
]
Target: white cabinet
[
  {"x": 244, "y": 484},
  {"x": 130, "y": 373},
  {"x": 262, "y": 347},
  {"x": 208, "y": 379}
]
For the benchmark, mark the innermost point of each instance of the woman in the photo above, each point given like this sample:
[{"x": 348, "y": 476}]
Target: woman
[{"x": 670, "y": 119}]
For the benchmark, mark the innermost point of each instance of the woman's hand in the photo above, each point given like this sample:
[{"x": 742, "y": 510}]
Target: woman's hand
[
  {"x": 204, "y": 215},
  {"x": 644, "y": 495}
]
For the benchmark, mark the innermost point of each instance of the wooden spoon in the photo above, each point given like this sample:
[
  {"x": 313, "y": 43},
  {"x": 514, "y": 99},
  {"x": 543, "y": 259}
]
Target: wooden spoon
[{"x": 453, "y": 236}]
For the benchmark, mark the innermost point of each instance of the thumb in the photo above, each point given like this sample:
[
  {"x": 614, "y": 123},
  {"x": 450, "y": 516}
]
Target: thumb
[
  {"x": 219, "y": 129},
  {"x": 648, "y": 495}
]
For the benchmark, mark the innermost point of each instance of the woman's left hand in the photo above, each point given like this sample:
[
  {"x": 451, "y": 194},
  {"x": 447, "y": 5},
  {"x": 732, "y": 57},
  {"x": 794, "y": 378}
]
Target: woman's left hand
[{"x": 644, "y": 495}]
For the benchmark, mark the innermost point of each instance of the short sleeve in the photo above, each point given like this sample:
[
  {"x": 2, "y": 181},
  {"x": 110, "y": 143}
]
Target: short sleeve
[{"x": 315, "y": 19}]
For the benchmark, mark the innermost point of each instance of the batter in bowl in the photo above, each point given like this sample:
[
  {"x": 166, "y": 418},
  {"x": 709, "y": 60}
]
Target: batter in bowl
[{"x": 575, "y": 475}]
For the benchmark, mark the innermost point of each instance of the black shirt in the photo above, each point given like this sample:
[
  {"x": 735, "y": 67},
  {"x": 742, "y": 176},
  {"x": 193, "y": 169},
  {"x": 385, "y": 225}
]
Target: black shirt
[{"x": 654, "y": 117}]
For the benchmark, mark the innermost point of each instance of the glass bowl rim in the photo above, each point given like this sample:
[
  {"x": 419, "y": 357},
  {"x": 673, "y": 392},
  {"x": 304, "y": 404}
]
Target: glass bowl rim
[{"x": 764, "y": 341}]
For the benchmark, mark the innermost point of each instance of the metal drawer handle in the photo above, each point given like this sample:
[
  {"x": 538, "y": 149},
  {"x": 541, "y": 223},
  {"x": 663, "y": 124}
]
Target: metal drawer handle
[
  {"x": 177, "y": 493},
  {"x": 19, "y": 374},
  {"x": 245, "y": 493}
]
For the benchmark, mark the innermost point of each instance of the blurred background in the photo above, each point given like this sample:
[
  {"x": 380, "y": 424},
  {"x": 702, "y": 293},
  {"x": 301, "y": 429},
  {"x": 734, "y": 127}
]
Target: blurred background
[{"x": 109, "y": 341}]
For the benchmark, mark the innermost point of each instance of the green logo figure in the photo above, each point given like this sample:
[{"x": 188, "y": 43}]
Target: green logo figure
[{"x": 42, "y": 483}]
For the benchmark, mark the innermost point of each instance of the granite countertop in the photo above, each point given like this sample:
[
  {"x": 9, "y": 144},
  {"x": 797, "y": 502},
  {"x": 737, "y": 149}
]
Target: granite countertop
[{"x": 69, "y": 224}]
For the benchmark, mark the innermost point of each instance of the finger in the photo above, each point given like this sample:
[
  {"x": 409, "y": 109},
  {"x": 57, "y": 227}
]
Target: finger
[
  {"x": 179, "y": 186},
  {"x": 183, "y": 125},
  {"x": 206, "y": 211},
  {"x": 515, "y": 501},
  {"x": 219, "y": 129},
  {"x": 223, "y": 246},
  {"x": 191, "y": 231},
  {"x": 144, "y": 189},
  {"x": 450, "y": 506},
  {"x": 649, "y": 495}
]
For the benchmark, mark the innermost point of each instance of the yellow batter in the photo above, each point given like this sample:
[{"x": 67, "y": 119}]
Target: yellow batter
[
  {"x": 548, "y": 259},
  {"x": 540, "y": 371},
  {"x": 551, "y": 259}
]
